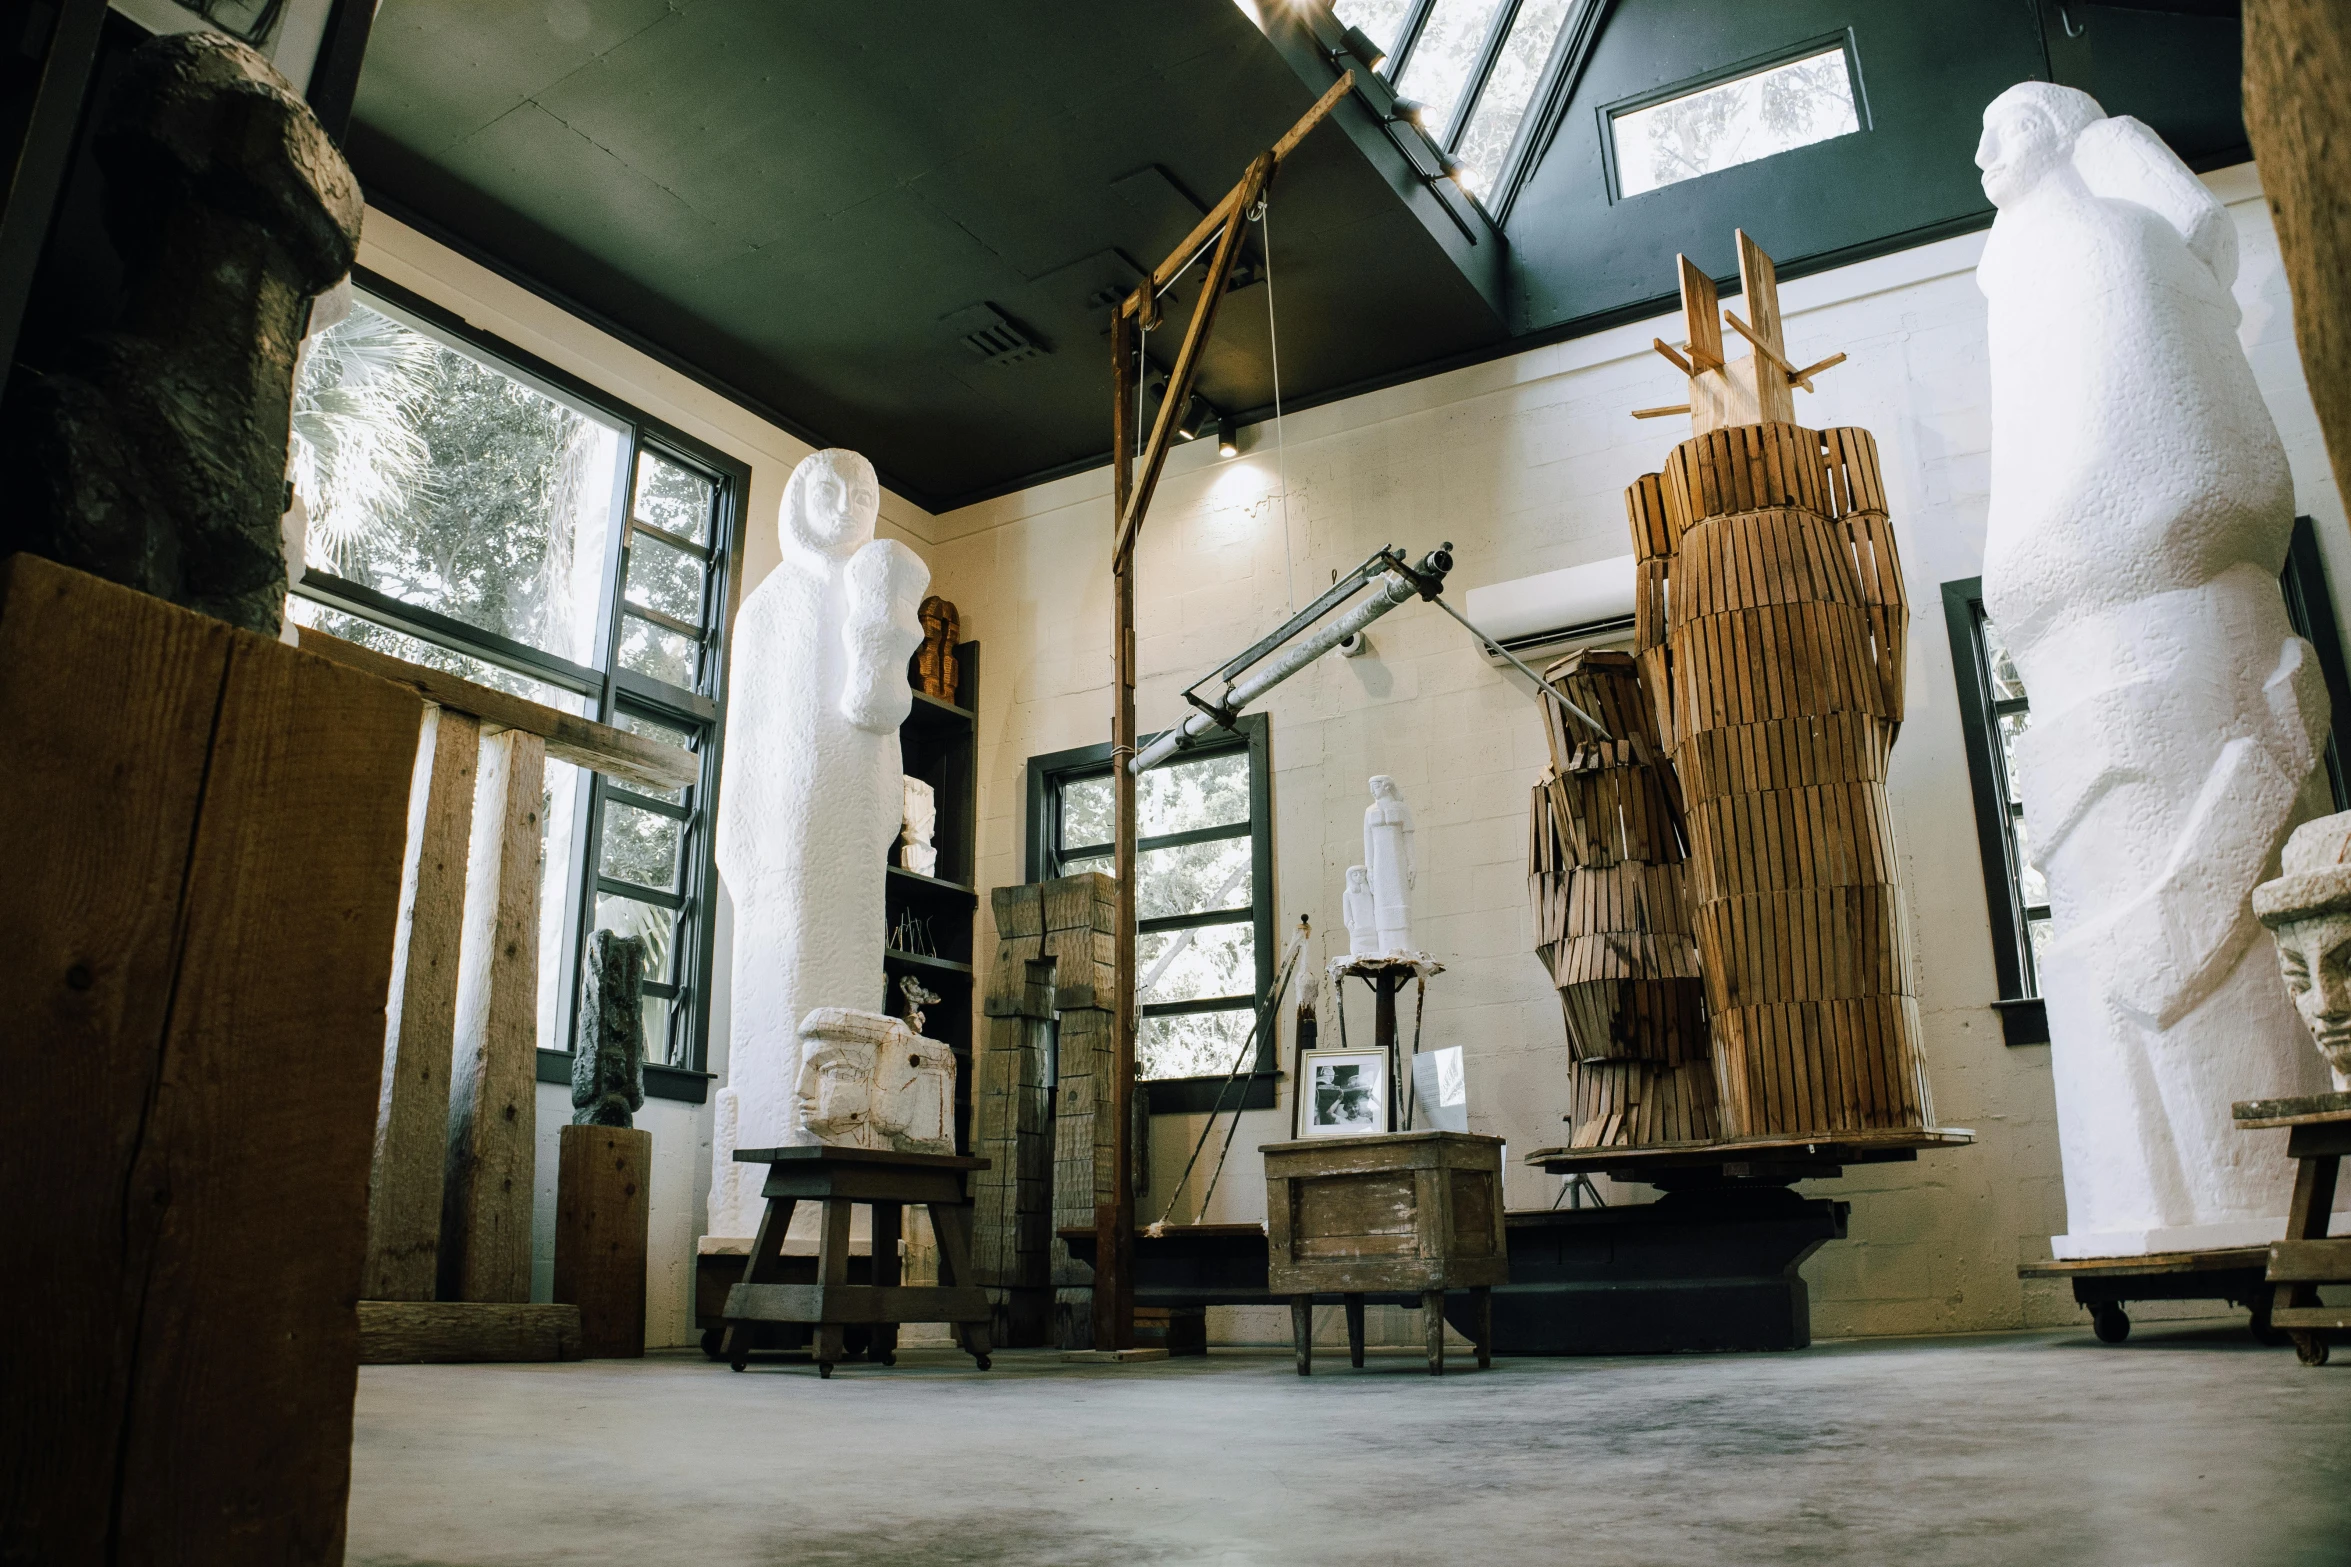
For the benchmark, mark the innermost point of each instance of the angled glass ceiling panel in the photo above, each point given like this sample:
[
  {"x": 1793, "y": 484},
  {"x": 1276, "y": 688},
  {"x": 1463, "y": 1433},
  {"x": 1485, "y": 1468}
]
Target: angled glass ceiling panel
[
  {"x": 1381, "y": 20},
  {"x": 1446, "y": 57},
  {"x": 1518, "y": 70}
]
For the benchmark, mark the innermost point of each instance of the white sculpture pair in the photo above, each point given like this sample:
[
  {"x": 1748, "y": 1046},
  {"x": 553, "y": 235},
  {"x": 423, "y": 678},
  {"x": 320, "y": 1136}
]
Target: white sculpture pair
[
  {"x": 2140, "y": 513},
  {"x": 813, "y": 799},
  {"x": 1378, "y": 904}
]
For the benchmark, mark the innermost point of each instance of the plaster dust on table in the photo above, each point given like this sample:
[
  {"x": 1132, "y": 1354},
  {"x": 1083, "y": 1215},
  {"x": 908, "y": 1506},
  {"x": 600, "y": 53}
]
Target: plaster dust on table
[{"x": 2140, "y": 512}]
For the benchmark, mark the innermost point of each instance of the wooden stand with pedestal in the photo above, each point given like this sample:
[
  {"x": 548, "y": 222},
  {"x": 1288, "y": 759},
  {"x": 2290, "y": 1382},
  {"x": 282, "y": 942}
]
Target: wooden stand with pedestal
[
  {"x": 603, "y": 1209},
  {"x": 2319, "y": 1136},
  {"x": 841, "y": 1178},
  {"x": 1406, "y": 1213}
]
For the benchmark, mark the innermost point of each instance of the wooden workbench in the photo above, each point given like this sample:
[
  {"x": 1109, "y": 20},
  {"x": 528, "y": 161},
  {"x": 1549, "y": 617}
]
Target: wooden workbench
[{"x": 2319, "y": 1134}]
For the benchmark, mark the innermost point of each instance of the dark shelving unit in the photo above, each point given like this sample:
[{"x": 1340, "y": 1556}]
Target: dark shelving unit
[{"x": 940, "y": 744}]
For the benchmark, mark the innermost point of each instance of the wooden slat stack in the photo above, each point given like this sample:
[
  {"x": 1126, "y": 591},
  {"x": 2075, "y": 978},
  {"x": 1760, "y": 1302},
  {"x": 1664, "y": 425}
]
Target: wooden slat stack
[
  {"x": 1608, "y": 882},
  {"x": 1770, "y": 621}
]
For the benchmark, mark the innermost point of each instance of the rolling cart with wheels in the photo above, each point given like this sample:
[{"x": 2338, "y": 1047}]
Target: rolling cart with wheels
[{"x": 2106, "y": 1285}]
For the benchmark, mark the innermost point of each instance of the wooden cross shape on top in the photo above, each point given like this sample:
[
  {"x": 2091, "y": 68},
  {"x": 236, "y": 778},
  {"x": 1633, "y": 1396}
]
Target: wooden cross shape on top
[{"x": 1755, "y": 388}]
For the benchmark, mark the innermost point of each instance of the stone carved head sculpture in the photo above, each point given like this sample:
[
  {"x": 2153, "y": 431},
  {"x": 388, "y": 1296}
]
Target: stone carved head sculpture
[
  {"x": 2308, "y": 912},
  {"x": 831, "y": 504}
]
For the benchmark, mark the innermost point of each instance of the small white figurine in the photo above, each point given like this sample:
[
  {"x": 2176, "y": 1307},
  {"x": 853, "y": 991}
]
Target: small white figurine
[
  {"x": 1361, "y": 915},
  {"x": 916, "y": 852},
  {"x": 1387, "y": 863},
  {"x": 2140, "y": 510}
]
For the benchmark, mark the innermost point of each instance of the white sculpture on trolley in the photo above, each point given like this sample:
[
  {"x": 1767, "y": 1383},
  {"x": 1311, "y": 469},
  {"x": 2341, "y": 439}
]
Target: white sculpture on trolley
[
  {"x": 2140, "y": 512},
  {"x": 814, "y": 797}
]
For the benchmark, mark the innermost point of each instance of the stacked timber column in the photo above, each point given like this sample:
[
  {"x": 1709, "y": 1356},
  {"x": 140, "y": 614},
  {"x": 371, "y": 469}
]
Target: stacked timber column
[
  {"x": 1012, "y": 1200},
  {"x": 1608, "y": 880},
  {"x": 493, "y": 1084},
  {"x": 1080, "y": 915},
  {"x": 1771, "y": 605}
]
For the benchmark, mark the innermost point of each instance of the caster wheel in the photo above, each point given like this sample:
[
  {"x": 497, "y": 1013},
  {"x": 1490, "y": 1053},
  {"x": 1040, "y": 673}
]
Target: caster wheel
[
  {"x": 2263, "y": 1333},
  {"x": 890, "y": 1358},
  {"x": 713, "y": 1342},
  {"x": 2310, "y": 1349},
  {"x": 824, "y": 1369},
  {"x": 2111, "y": 1323},
  {"x": 983, "y": 1360},
  {"x": 738, "y": 1363}
]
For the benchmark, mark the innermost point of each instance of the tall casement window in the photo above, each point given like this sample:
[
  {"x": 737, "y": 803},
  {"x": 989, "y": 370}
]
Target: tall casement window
[
  {"x": 1995, "y": 711},
  {"x": 1203, "y": 901},
  {"x": 477, "y": 511}
]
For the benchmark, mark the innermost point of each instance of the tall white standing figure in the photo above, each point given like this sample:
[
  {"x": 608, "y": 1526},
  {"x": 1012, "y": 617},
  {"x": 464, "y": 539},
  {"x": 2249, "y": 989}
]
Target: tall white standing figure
[
  {"x": 813, "y": 798},
  {"x": 2140, "y": 512},
  {"x": 1387, "y": 858}
]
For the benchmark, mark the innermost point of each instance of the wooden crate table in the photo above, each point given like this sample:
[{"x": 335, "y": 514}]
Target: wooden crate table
[
  {"x": 2319, "y": 1136},
  {"x": 841, "y": 1178},
  {"x": 1402, "y": 1213},
  {"x": 2236, "y": 1274}
]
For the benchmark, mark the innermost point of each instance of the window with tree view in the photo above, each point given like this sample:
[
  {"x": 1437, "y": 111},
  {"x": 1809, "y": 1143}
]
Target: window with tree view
[
  {"x": 1723, "y": 124},
  {"x": 1203, "y": 906},
  {"x": 480, "y": 515}
]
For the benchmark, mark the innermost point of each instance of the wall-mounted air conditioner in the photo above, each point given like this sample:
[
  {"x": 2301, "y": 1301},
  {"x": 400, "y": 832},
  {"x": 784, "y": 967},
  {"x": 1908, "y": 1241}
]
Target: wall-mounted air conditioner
[{"x": 1553, "y": 612}]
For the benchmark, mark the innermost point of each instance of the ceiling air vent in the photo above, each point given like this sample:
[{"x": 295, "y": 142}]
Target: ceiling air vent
[{"x": 990, "y": 337}]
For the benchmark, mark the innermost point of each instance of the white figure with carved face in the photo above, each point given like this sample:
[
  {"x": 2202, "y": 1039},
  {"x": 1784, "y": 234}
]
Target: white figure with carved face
[
  {"x": 2308, "y": 912},
  {"x": 813, "y": 797},
  {"x": 2140, "y": 510},
  {"x": 1362, "y": 915}
]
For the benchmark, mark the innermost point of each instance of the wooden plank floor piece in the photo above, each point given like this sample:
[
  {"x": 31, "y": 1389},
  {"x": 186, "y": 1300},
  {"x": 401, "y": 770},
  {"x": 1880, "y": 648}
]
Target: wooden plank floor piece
[
  {"x": 205, "y": 834},
  {"x": 411, "y": 1154},
  {"x": 412, "y": 1332},
  {"x": 493, "y": 1086}
]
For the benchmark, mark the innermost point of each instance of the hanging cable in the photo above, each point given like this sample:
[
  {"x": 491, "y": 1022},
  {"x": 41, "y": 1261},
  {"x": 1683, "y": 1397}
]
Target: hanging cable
[{"x": 1281, "y": 448}]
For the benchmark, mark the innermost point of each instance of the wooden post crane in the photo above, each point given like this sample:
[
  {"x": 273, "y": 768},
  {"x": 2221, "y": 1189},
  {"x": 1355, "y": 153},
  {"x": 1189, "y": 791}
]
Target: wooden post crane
[{"x": 1130, "y": 492}]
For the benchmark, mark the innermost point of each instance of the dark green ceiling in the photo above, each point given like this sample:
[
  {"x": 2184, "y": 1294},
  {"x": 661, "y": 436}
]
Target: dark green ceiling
[
  {"x": 809, "y": 204},
  {"x": 798, "y": 200}
]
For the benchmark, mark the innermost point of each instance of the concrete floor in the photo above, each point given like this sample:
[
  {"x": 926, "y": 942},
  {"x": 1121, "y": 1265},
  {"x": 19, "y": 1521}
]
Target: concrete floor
[{"x": 2186, "y": 1448}]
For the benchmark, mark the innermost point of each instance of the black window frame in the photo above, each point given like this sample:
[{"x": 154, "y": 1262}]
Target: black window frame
[
  {"x": 1753, "y": 65},
  {"x": 610, "y": 695},
  {"x": 1252, "y": 733},
  {"x": 2310, "y": 609}
]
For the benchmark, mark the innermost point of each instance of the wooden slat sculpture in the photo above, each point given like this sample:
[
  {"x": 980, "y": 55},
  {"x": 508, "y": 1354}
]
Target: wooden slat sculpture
[
  {"x": 1612, "y": 924},
  {"x": 1770, "y": 630}
]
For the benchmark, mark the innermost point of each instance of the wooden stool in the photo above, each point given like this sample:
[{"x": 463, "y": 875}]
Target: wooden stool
[
  {"x": 1408, "y": 1213},
  {"x": 886, "y": 1182},
  {"x": 2305, "y": 1259}
]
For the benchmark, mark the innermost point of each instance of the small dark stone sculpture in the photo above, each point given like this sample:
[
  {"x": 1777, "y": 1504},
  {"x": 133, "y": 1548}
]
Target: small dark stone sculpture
[
  {"x": 156, "y": 457},
  {"x": 608, "y": 1057}
]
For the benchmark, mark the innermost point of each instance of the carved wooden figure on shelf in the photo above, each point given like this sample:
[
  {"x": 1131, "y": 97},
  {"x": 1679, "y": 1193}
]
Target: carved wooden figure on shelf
[
  {"x": 1608, "y": 880},
  {"x": 936, "y": 669},
  {"x": 1775, "y": 665}
]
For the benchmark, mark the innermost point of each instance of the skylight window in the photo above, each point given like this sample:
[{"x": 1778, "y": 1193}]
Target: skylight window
[
  {"x": 1725, "y": 124},
  {"x": 1475, "y": 67}
]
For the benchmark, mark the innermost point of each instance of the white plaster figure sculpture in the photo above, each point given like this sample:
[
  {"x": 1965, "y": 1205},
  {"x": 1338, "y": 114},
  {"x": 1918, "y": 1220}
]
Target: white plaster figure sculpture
[
  {"x": 2140, "y": 511},
  {"x": 814, "y": 798},
  {"x": 2308, "y": 912},
  {"x": 1387, "y": 862},
  {"x": 916, "y": 852},
  {"x": 1361, "y": 914}
]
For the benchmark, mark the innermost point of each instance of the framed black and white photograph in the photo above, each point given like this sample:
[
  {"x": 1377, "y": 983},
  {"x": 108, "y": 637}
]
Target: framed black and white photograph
[{"x": 1343, "y": 1093}]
